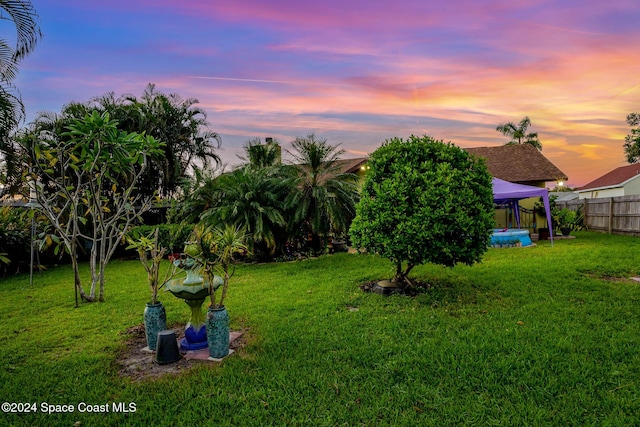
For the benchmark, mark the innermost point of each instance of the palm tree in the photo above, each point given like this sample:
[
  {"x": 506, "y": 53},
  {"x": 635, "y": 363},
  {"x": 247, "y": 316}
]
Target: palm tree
[
  {"x": 201, "y": 193},
  {"x": 252, "y": 199},
  {"x": 518, "y": 133},
  {"x": 324, "y": 198},
  {"x": 23, "y": 15},
  {"x": 176, "y": 122},
  {"x": 183, "y": 127},
  {"x": 11, "y": 114}
]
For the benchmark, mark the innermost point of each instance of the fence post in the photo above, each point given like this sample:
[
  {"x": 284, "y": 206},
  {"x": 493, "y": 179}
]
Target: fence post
[
  {"x": 610, "y": 215},
  {"x": 585, "y": 212}
]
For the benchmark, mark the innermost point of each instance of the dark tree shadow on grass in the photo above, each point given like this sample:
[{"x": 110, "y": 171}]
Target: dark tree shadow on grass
[{"x": 443, "y": 291}]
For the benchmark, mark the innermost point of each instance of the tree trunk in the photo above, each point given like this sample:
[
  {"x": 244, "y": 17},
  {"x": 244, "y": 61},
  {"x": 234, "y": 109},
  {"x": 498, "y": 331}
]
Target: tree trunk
[
  {"x": 403, "y": 276},
  {"x": 76, "y": 277}
]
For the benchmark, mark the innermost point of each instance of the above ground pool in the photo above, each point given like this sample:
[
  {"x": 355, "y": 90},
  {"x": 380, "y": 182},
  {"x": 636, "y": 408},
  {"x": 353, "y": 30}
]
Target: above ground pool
[{"x": 510, "y": 237}]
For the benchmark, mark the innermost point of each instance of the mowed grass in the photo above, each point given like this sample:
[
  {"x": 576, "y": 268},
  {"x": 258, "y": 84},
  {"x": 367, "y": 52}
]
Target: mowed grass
[{"x": 531, "y": 336}]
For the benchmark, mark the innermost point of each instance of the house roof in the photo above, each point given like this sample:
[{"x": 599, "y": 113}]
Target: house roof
[
  {"x": 615, "y": 178},
  {"x": 341, "y": 166},
  {"x": 350, "y": 165},
  {"x": 513, "y": 163},
  {"x": 518, "y": 163}
]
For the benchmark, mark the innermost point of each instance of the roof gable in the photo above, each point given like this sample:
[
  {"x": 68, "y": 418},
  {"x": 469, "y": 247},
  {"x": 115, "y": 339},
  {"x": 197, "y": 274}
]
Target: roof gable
[
  {"x": 616, "y": 178},
  {"x": 518, "y": 163}
]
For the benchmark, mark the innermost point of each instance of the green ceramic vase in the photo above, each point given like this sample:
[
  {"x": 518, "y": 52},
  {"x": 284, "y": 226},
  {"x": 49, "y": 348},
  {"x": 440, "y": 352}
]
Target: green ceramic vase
[
  {"x": 155, "y": 320},
  {"x": 217, "y": 324}
]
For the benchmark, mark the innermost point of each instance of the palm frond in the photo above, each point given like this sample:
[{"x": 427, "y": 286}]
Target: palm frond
[{"x": 28, "y": 31}]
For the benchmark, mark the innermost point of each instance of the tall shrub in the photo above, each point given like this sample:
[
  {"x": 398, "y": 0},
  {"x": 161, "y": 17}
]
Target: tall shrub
[{"x": 423, "y": 201}]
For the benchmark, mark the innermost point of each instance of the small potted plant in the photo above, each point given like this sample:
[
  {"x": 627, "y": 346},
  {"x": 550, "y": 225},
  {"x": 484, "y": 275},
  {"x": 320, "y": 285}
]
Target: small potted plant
[
  {"x": 564, "y": 219},
  {"x": 220, "y": 246},
  {"x": 151, "y": 256},
  {"x": 339, "y": 243}
]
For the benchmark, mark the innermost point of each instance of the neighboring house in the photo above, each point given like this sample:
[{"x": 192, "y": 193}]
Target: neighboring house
[
  {"x": 522, "y": 164},
  {"x": 356, "y": 166},
  {"x": 623, "y": 181}
]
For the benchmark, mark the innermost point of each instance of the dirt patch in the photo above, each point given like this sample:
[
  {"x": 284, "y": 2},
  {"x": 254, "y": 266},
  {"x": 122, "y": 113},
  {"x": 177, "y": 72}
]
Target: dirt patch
[
  {"x": 409, "y": 291},
  {"x": 140, "y": 365},
  {"x": 610, "y": 278}
]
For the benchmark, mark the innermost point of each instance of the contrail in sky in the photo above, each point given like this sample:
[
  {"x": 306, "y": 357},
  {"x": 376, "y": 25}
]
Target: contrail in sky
[{"x": 281, "y": 82}]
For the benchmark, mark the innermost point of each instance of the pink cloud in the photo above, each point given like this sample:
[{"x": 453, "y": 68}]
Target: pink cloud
[{"x": 365, "y": 71}]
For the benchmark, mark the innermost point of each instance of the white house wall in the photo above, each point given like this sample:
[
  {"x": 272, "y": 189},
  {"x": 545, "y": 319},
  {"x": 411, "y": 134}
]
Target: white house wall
[
  {"x": 632, "y": 187},
  {"x": 603, "y": 192}
]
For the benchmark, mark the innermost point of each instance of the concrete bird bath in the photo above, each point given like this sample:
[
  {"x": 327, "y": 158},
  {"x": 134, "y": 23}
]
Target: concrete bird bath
[{"x": 193, "y": 290}]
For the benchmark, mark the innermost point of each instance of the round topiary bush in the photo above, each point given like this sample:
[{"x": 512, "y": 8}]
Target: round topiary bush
[{"x": 423, "y": 201}]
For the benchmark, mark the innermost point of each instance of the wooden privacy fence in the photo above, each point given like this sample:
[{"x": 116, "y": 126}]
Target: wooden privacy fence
[{"x": 613, "y": 215}]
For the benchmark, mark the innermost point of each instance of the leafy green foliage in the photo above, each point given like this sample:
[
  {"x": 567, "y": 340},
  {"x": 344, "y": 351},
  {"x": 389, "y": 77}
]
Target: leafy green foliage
[
  {"x": 15, "y": 238},
  {"x": 151, "y": 255},
  {"x": 178, "y": 123},
  {"x": 200, "y": 194},
  {"x": 14, "y": 230},
  {"x": 170, "y": 236},
  {"x": 278, "y": 204},
  {"x": 424, "y": 201},
  {"x": 216, "y": 250},
  {"x": 564, "y": 218},
  {"x": 87, "y": 187},
  {"x": 262, "y": 155},
  {"x": 632, "y": 140}
]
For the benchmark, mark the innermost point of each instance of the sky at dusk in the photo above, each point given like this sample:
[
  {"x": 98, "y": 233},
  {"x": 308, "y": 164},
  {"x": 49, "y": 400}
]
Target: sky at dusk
[{"x": 358, "y": 72}]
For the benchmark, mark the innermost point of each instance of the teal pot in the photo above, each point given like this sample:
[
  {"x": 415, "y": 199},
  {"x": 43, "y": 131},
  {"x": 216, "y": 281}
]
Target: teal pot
[
  {"x": 155, "y": 320},
  {"x": 217, "y": 324}
]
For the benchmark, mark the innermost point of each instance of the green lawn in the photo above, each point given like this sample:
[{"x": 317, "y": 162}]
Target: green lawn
[{"x": 531, "y": 336}]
